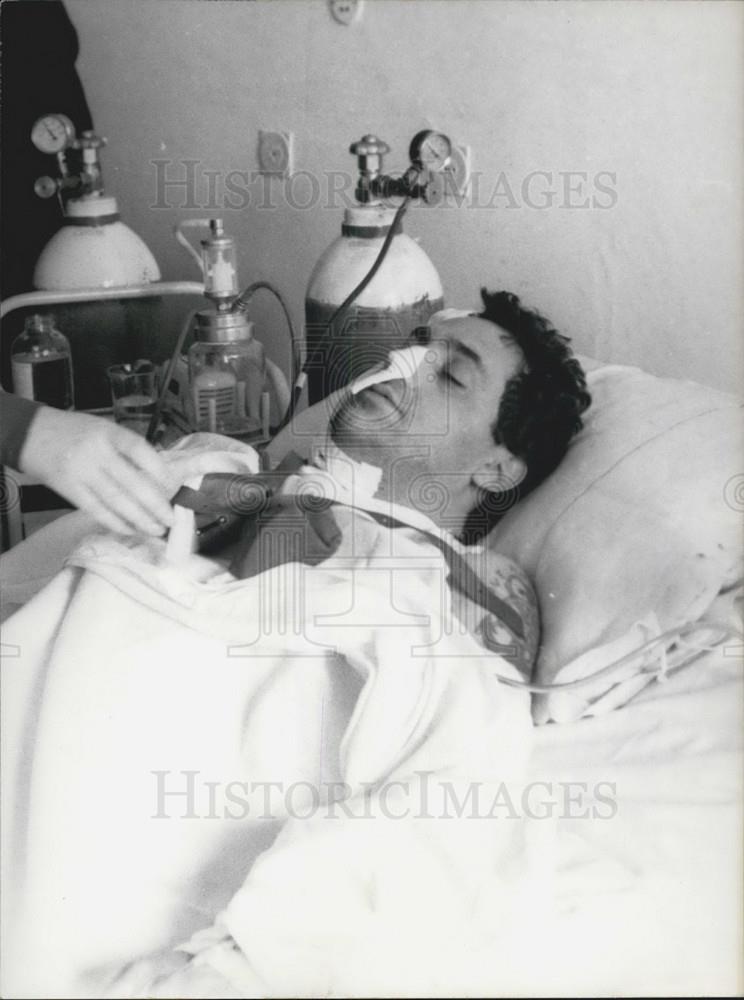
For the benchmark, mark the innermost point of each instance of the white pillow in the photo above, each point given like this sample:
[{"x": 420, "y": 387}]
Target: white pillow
[{"x": 640, "y": 522}]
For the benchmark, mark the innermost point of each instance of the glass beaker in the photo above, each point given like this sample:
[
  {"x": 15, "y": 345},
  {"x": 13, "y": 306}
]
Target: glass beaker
[{"x": 134, "y": 394}]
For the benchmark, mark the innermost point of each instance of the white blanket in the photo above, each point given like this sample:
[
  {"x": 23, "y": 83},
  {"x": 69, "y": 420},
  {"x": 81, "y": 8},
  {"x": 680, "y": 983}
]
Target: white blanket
[
  {"x": 124, "y": 681},
  {"x": 128, "y": 680}
]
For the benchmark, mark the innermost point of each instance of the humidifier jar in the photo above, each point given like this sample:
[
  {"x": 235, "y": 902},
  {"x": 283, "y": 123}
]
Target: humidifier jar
[
  {"x": 226, "y": 375},
  {"x": 212, "y": 389}
]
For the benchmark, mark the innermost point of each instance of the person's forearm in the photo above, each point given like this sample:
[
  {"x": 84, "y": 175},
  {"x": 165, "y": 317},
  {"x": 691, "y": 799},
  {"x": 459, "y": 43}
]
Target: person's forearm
[{"x": 16, "y": 415}]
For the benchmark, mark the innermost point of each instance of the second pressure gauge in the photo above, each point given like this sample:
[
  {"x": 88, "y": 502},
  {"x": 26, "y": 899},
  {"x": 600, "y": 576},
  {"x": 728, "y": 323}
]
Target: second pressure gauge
[
  {"x": 52, "y": 133},
  {"x": 431, "y": 150}
]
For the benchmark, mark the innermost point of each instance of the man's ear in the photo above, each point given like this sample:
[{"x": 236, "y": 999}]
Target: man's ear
[{"x": 501, "y": 472}]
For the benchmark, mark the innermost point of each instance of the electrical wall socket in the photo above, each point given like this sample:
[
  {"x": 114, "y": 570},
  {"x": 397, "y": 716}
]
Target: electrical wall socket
[
  {"x": 275, "y": 153},
  {"x": 345, "y": 11}
]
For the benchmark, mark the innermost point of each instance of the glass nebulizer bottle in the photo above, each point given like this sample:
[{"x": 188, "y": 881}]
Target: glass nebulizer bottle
[
  {"x": 227, "y": 372},
  {"x": 41, "y": 363}
]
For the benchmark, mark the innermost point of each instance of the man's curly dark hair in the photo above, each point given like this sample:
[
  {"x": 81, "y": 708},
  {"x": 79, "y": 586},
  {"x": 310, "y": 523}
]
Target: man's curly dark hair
[{"x": 541, "y": 407}]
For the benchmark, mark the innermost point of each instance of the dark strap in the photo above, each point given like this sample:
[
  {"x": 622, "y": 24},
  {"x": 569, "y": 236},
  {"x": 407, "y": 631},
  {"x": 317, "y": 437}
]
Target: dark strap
[
  {"x": 256, "y": 498},
  {"x": 92, "y": 221},
  {"x": 463, "y": 578},
  {"x": 238, "y": 494}
]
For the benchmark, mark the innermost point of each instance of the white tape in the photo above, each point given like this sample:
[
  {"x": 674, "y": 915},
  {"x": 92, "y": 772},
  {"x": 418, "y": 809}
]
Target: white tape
[
  {"x": 401, "y": 364},
  {"x": 182, "y": 540},
  {"x": 444, "y": 315}
]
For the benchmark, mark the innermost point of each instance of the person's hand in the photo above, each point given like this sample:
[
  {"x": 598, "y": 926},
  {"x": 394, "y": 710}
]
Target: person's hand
[{"x": 106, "y": 470}]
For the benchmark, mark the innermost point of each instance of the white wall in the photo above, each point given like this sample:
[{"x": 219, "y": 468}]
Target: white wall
[{"x": 649, "y": 92}]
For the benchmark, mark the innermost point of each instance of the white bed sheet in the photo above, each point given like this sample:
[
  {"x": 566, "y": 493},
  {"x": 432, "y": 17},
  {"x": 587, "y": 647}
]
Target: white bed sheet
[
  {"x": 649, "y": 900},
  {"x": 654, "y": 894}
]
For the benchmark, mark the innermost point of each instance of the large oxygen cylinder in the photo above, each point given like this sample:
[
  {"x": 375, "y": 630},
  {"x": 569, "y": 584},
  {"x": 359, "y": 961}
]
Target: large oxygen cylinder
[
  {"x": 401, "y": 296},
  {"x": 94, "y": 249}
]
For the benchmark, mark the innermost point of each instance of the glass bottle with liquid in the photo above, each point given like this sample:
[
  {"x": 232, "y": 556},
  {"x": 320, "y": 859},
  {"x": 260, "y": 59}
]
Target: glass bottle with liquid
[
  {"x": 227, "y": 373},
  {"x": 41, "y": 364}
]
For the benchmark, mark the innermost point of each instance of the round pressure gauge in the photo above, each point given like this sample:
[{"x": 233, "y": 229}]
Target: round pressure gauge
[
  {"x": 52, "y": 133},
  {"x": 431, "y": 150}
]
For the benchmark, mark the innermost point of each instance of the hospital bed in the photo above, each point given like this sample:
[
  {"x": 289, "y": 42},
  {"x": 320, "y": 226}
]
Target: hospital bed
[{"x": 614, "y": 863}]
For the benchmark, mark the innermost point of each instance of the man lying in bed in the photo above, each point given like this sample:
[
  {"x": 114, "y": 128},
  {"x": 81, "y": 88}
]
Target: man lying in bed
[
  {"x": 484, "y": 404},
  {"x": 133, "y": 645},
  {"x": 449, "y": 435}
]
